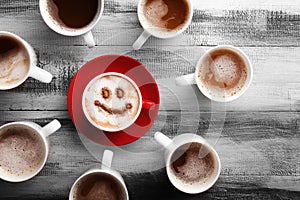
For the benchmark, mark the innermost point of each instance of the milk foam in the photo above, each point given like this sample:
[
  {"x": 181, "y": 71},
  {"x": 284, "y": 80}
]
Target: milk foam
[
  {"x": 122, "y": 114},
  {"x": 223, "y": 76},
  {"x": 14, "y": 66},
  {"x": 22, "y": 150}
]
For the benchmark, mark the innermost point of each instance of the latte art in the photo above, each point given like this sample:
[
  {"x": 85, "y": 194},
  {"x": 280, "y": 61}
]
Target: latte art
[{"x": 112, "y": 102}]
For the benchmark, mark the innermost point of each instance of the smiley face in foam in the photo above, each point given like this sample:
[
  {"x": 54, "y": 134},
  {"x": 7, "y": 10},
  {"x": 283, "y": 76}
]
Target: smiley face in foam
[{"x": 112, "y": 102}]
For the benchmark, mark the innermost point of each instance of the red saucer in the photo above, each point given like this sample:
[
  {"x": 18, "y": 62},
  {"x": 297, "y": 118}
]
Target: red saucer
[{"x": 134, "y": 70}]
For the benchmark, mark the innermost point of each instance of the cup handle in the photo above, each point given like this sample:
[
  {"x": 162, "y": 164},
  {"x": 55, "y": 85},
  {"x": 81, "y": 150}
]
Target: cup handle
[
  {"x": 163, "y": 140},
  {"x": 186, "y": 80},
  {"x": 107, "y": 159},
  {"x": 51, "y": 128},
  {"x": 40, "y": 75},
  {"x": 141, "y": 40},
  {"x": 147, "y": 104},
  {"x": 89, "y": 39}
]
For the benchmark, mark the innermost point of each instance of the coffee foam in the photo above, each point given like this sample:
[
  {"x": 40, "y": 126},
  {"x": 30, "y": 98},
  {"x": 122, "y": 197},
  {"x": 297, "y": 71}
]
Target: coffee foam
[
  {"x": 22, "y": 150},
  {"x": 158, "y": 16},
  {"x": 112, "y": 112},
  {"x": 100, "y": 186},
  {"x": 192, "y": 165},
  {"x": 224, "y": 74},
  {"x": 14, "y": 66}
]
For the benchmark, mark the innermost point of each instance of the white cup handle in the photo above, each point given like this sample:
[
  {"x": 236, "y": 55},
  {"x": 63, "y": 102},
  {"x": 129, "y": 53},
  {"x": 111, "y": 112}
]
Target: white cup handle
[
  {"x": 141, "y": 40},
  {"x": 40, "y": 75},
  {"x": 89, "y": 39},
  {"x": 51, "y": 128},
  {"x": 186, "y": 80},
  {"x": 107, "y": 159},
  {"x": 163, "y": 140}
]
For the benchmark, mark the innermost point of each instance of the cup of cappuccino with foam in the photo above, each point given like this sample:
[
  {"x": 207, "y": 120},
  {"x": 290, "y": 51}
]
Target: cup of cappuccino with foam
[
  {"x": 24, "y": 149},
  {"x": 100, "y": 184},
  {"x": 18, "y": 61},
  {"x": 223, "y": 74},
  {"x": 163, "y": 19},
  {"x": 193, "y": 166},
  {"x": 112, "y": 102}
]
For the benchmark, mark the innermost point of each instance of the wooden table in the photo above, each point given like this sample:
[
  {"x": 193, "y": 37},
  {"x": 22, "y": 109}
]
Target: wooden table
[{"x": 257, "y": 136}]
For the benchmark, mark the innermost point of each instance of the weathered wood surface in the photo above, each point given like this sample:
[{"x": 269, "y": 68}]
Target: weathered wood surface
[{"x": 260, "y": 140}]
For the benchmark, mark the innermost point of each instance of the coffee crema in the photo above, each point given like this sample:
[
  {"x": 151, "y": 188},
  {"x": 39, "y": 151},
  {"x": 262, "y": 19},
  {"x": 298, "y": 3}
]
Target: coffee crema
[
  {"x": 14, "y": 61},
  {"x": 99, "y": 186},
  {"x": 223, "y": 73},
  {"x": 73, "y": 14},
  {"x": 167, "y": 14},
  {"x": 192, "y": 164},
  {"x": 22, "y": 150},
  {"x": 112, "y": 102}
]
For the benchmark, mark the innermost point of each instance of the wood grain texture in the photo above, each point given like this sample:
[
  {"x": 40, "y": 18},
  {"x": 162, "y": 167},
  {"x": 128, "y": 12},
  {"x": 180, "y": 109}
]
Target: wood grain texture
[{"x": 257, "y": 136}]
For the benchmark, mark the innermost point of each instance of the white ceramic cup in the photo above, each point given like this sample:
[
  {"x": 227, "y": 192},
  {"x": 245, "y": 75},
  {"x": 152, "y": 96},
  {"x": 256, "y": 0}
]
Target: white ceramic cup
[
  {"x": 105, "y": 169},
  {"x": 192, "y": 79},
  {"x": 150, "y": 30},
  {"x": 172, "y": 145},
  {"x": 34, "y": 71},
  {"x": 44, "y": 132},
  {"x": 85, "y": 31},
  {"x": 142, "y": 102}
]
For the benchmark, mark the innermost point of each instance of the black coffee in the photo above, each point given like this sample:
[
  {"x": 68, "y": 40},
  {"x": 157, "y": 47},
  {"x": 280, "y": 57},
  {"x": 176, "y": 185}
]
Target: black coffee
[
  {"x": 73, "y": 13},
  {"x": 22, "y": 150},
  {"x": 192, "y": 163},
  {"x": 99, "y": 186},
  {"x": 167, "y": 14}
]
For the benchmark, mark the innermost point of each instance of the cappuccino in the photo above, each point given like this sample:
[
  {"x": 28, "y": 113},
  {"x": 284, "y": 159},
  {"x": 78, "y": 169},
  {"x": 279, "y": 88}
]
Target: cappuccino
[
  {"x": 14, "y": 61},
  {"x": 100, "y": 186},
  {"x": 112, "y": 102},
  {"x": 223, "y": 73},
  {"x": 22, "y": 150},
  {"x": 167, "y": 14},
  {"x": 192, "y": 164}
]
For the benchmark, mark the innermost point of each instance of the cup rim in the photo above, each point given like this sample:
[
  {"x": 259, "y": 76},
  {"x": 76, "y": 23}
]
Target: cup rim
[
  {"x": 30, "y": 55},
  {"x": 164, "y": 36},
  {"x": 73, "y": 32},
  {"x": 246, "y": 86},
  {"x": 204, "y": 187},
  {"x": 38, "y": 170},
  {"x": 99, "y": 171},
  {"x": 92, "y": 82}
]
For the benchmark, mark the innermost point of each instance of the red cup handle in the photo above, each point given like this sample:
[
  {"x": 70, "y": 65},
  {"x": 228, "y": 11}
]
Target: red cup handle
[{"x": 148, "y": 104}]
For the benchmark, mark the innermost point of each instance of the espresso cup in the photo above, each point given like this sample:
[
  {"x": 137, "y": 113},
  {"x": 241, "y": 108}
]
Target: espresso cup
[
  {"x": 24, "y": 149},
  {"x": 103, "y": 97},
  {"x": 221, "y": 94},
  {"x": 56, "y": 26},
  {"x": 20, "y": 72},
  {"x": 193, "y": 166},
  {"x": 151, "y": 29},
  {"x": 105, "y": 181}
]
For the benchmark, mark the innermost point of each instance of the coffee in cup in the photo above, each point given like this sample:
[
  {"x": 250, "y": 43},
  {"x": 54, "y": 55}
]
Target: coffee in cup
[
  {"x": 163, "y": 19},
  {"x": 169, "y": 15},
  {"x": 223, "y": 74},
  {"x": 22, "y": 150},
  {"x": 72, "y": 17},
  {"x": 192, "y": 164},
  {"x": 14, "y": 61},
  {"x": 99, "y": 185},
  {"x": 72, "y": 14},
  {"x": 112, "y": 101}
]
